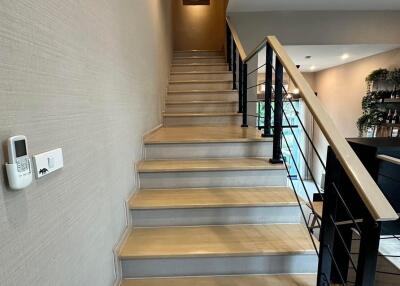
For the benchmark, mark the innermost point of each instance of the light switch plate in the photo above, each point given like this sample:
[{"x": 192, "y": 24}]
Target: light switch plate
[{"x": 48, "y": 162}]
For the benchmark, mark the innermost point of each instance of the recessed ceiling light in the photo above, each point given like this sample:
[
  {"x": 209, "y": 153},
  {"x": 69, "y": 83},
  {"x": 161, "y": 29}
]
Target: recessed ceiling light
[
  {"x": 308, "y": 57},
  {"x": 313, "y": 68},
  {"x": 345, "y": 56}
]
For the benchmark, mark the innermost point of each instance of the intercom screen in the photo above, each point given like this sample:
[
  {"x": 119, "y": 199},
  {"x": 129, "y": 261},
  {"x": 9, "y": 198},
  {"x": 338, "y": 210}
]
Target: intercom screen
[{"x": 20, "y": 148}]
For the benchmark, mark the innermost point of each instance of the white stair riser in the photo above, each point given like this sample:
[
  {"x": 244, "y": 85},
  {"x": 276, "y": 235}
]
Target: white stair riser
[
  {"x": 208, "y": 179},
  {"x": 201, "y": 86},
  {"x": 233, "y": 265},
  {"x": 199, "y": 60},
  {"x": 201, "y": 120},
  {"x": 198, "y": 54},
  {"x": 203, "y": 68},
  {"x": 215, "y": 216},
  {"x": 199, "y": 96},
  {"x": 201, "y": 76},
  {"x": 208, "y": 150},
  {"x": 198, "y": 108}
]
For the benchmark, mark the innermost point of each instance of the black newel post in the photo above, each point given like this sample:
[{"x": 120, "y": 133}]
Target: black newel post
[
  {"x": 268, "y": 91},
  {"x": 229, "y": 47},
  {"x": 278, "y": 111},
  {"x": 244, "y": 97},
  {"x": 240, "y": 85},
  {"x": 367, "y": 259}
]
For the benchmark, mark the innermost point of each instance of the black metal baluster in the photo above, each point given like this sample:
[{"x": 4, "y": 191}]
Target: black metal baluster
[
  {"x": 240, "y": 85},
  {"x": 276, "y": 151},
  {"x": 244, "y": 97},
  {"x": 234, "y": 65},
  {"x": 268, "y": 92},
  {"x": 229, "y": 47}
]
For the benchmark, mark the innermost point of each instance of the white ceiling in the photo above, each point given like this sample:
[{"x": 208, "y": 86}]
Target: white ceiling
[
  {"x": 326, "y": 56},
  {"x": 311, "y": 5}
]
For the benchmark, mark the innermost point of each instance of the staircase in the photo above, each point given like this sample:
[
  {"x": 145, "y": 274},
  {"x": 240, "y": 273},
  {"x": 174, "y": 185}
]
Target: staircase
[{"x": 212, "y": 209}]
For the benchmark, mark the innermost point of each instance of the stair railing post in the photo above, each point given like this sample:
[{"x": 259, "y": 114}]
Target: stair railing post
[
  {"x": 229, "y": 47},
  {"x": 234, "y": 66},
  {"x": 244, "y": 97},
  {"x": 240, "y": 85},
  {"x": 278, "y": 113},
  {"x": 268, "y": 91},
  {"x": 369, "y": 248}
]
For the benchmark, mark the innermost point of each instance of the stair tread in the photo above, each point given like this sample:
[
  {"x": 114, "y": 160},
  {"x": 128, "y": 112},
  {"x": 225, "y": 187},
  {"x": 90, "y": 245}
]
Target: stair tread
[
  {"x": 203, "y": 114},
  {"x": 203, "y": 91},
  {"x": 201, "y": 81},
  {"x": 238, "y": 280},
  {"x": 211, "y": 241},
  {"x": 185, "y": 102},
  {"x": 212, "y": 197},
  {"x": 204, "y": 134},
  {"x": 200, "y": 72},
  {"x": 200, "y": 64},
  {"x": 200, "y": 57},
  {"x": 198, "y": 165}
]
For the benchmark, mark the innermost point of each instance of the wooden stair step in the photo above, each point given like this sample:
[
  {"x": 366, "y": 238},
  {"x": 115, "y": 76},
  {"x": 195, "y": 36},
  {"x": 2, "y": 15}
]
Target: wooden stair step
[
  {"x": 204, "y": 134},
  {"x": 200, "y": 64},
  {"x": 176, "y": 102},
  {"x": 200, "y": 72},
  {"x": 205, "y": 81},
  {"x": 239, "y": 280},
  {"x": 203, "y": 91},
  {"x": 198, "y": 165},
  {"x": 211, "y": 114},
  {"x": 212, "y": 198},
  {"x": 199, "y": 57},
  {"x": 217, "y": 241}
]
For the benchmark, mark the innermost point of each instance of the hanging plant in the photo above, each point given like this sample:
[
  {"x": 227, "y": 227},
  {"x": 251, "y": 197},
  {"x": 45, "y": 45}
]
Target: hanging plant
[
  {"x": 377, "y": 75},
  {"x": 394, "y": 76}
]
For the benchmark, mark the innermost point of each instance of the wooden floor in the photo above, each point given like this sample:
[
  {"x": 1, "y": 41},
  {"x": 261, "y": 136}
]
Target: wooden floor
[
  {"x": 212, "y": 197},
  {"x": 204, "y": 134},
  {"x": 250, "y": 280},
  {"x": 226, "y": 164},
  {"x": 228, "y": 240}
]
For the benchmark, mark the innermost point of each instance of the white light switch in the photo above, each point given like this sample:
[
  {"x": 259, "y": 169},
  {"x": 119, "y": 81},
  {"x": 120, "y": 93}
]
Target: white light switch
[{"x": 48, "y": 162}]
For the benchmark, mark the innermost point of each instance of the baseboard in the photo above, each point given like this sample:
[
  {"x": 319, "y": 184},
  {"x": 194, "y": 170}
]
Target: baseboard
[{"x": 116, "y": 250}]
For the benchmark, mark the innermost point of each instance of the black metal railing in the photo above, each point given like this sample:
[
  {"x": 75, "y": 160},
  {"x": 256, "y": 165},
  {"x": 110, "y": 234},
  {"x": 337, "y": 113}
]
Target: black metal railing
[{"x": 344, "y": 213}]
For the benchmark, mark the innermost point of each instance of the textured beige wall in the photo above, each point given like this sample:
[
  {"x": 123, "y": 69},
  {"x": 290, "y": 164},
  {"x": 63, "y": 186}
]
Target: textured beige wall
[
  {"x": 341, "y": 90},
  {"x": 86, "y": 76},
  {"x": 199, "y": 27}
]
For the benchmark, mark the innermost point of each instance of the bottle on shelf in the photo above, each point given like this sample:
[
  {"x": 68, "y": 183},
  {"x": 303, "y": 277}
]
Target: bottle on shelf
[
  {"x": 395, "y": 117},
  {"x": 389, "y": 116},
  {"x": 393, "y": 94}
]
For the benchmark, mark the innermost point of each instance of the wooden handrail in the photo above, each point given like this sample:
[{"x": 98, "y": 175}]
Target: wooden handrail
[
  {"x": 372, "y": 196},
  {"x": 235, "y": 36},
  {"x": 377, "y": 204}
]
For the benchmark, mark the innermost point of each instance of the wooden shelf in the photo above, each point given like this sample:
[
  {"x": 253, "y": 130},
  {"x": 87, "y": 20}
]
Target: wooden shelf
[{"x": 391, "y": 124}]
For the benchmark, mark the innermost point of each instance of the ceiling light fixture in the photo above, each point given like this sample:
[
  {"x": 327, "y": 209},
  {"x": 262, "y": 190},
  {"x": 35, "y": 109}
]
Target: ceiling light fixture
[
  {"x": 313, "y": 68},
  {"x": 345, "y": 56}
]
